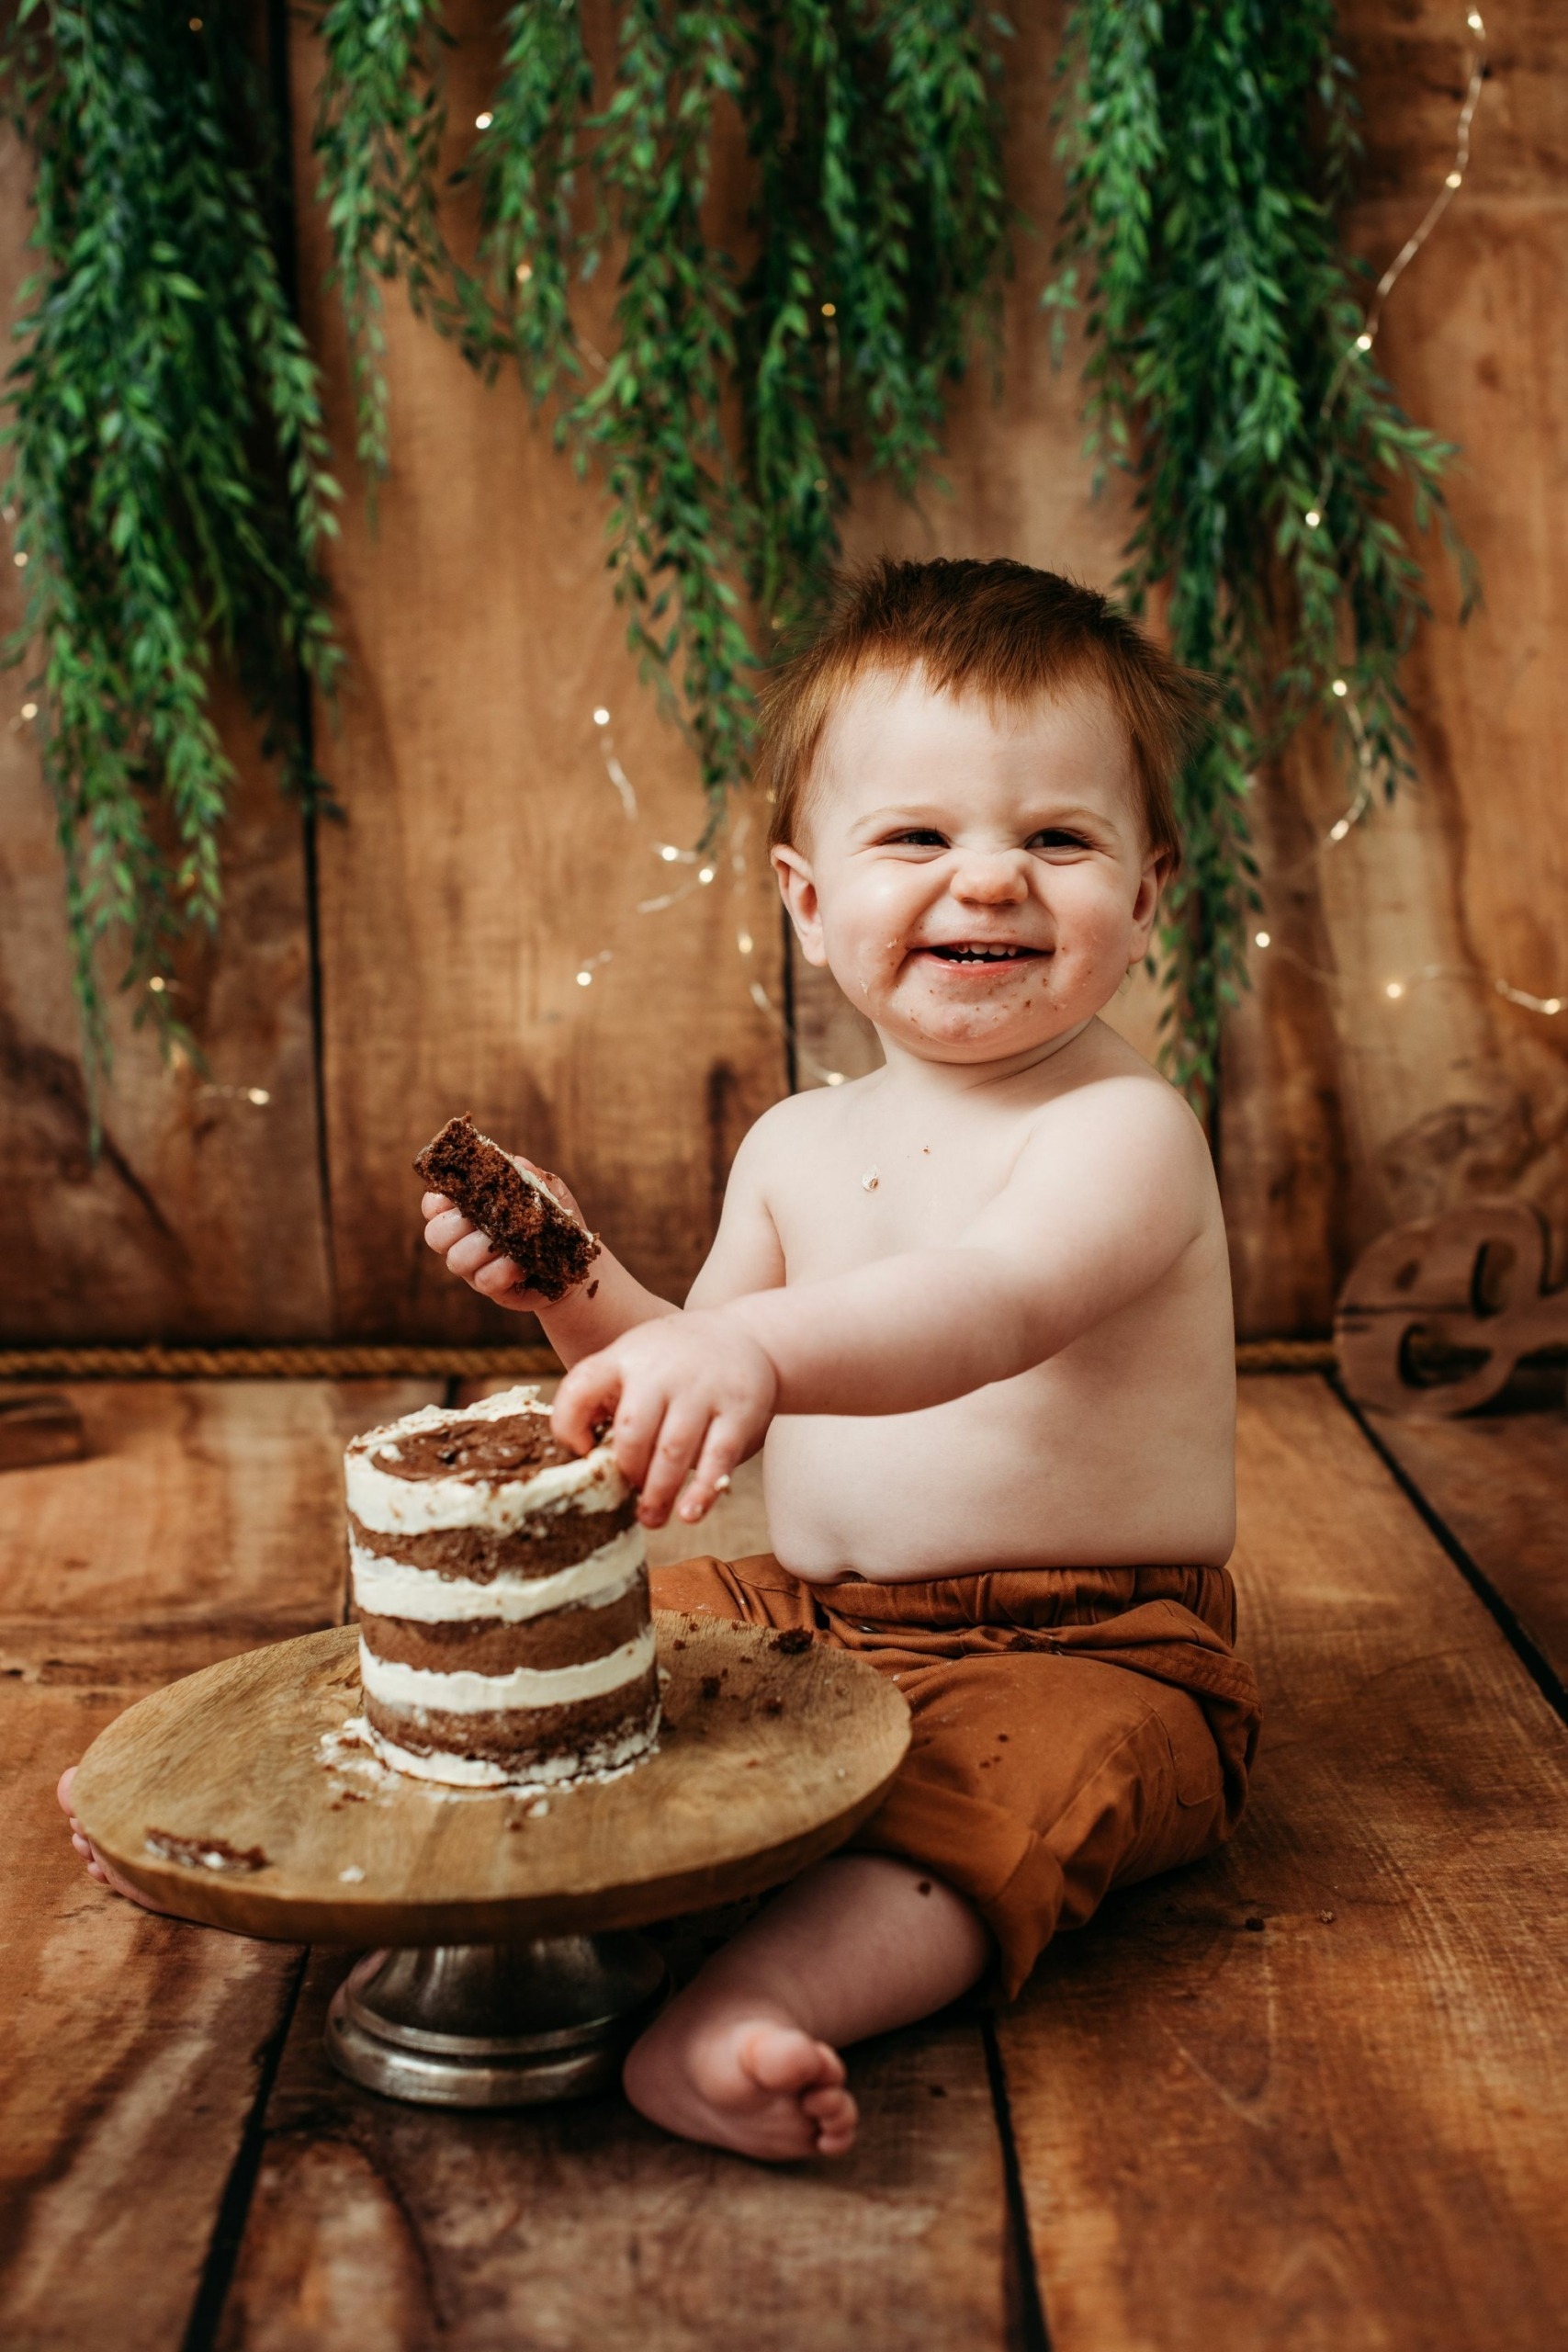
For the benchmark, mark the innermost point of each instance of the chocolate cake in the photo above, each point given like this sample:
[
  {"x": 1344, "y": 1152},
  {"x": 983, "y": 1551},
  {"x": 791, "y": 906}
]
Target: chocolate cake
[
  {"x": 502, "y": 1594},
  {"x": 520, "y": 1216}
]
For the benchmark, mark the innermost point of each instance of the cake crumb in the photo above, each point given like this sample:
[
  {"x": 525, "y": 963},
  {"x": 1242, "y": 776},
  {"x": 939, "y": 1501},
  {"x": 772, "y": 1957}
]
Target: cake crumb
[
  {"x": 203, "y": 1853},
  {"x": 709, "y": 1686},
  {"x": 794, "y": 1641}
]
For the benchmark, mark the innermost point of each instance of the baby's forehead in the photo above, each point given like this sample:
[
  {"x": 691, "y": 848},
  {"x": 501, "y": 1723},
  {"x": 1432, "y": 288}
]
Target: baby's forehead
[{"x": 890, "y": 731}]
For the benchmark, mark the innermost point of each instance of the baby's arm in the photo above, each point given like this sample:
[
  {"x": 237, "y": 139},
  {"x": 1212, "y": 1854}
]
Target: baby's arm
[{"x": 1107, "y": 1195}]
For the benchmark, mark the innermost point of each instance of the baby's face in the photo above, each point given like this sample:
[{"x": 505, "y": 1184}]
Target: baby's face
[{"x": 978, "y": 884}]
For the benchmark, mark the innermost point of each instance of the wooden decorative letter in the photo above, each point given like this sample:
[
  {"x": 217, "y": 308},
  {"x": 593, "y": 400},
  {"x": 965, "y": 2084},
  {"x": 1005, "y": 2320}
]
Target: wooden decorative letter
[{"x": 1436, "y": 1315}]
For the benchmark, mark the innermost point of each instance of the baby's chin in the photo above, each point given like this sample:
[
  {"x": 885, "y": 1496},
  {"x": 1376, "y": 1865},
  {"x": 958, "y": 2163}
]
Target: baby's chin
[{"x": 973, "y": 1032}]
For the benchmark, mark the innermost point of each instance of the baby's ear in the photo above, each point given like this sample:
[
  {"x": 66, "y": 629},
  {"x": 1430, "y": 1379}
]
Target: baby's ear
[
  {"x": 798, "y": 890},
  {"x": 1158, "y": 871}
]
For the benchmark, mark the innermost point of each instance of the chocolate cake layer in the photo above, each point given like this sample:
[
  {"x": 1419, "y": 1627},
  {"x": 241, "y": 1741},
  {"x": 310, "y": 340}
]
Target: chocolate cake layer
[
  {"x": 522, "y": 1736},
  {"x": 546, "y": 1541},
  {"x": 569, "y": 1636},
  {"x": 550, "y": 1250}
]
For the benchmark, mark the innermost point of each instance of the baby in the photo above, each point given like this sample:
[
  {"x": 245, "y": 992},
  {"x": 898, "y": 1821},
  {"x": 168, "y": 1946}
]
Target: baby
[{"x": 978, "y": 1305}]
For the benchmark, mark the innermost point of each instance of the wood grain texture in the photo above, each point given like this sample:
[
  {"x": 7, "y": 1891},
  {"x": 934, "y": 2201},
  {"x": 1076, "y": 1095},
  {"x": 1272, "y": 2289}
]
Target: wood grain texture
[
  {"x": 486, "y": 855},
  {"x": 203, "y": 1219},
  {"x": 381, "y": 2228},
  {"x": 767, "y": 1759},
  {"x": 198, "y": 1503},
  {"x": 132, "y": 2047},
  {"x": 1499, "y": 1484},
  {"x": 1314, "y": 2092},
  {"x": 1346, "y": 1111}
]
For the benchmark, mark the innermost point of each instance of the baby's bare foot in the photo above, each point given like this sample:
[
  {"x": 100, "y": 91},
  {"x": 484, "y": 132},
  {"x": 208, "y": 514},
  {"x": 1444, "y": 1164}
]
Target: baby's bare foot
[
  {"x": 758, "y": 2086},
  {"x": 96, "y": 1866}
]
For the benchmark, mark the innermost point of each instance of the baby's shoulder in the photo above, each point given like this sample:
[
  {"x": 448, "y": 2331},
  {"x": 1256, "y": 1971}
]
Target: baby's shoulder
[
  {"x": 1125, "y": 1107},
  {"x": 818, "y": 1110}
]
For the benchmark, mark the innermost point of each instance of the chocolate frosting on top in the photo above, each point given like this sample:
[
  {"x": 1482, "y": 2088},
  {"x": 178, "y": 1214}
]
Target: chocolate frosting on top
[{"x": 489, "y": 1450}]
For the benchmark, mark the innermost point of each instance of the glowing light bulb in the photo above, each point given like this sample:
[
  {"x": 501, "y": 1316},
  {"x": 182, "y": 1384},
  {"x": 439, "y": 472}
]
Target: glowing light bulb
[
  {"x": 669, "y": 853},
  {"x": 585, "y": 980},
  {"x": 20, "y": 560},
  {"x": 1313, "y": 518},
  {"x": 601, "y": 716},
  {"x": 1363, "y": 342},
  {"x": 1262, "y": 939},
  {"x": 744, "y": 941},
  {"x": 832, "y": 1078},
  {"x": 157, "y": 985},
  {"x": 1551, "y": 1004},
  {"x": 29, "y": 711},
  {"x": 1455, "y": 179},
  {"x": 1338, "y": 830},
  {"x": 483, "y": 122},
  {"x": 1474, "y": 21},
  {"x": 1394, "y": 988},
  {"x": 524, "y": 272},
  {"x": 259, "y": 1096},
  {"x": 829, "y": 310},
  {"x": 1339, "y": 688},
  {"x": 704, "y": 874}
]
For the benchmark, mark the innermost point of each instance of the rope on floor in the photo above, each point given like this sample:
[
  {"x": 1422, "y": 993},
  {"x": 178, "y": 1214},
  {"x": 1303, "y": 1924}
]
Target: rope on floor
[
  {"x": 348, "y": 1361},
  {"x": 326, "y": 1362}
]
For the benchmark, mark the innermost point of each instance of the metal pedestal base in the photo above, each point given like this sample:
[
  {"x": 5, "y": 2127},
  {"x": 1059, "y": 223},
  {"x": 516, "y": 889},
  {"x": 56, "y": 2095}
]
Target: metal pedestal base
[{"x": 495, "y": 2025}]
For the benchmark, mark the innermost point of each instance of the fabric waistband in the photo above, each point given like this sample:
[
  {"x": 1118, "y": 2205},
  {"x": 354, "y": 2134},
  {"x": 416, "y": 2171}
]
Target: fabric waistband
[{"x": 1030, "y": 1600}]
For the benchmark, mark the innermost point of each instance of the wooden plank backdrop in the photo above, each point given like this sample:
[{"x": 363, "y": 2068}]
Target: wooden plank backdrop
[{"x": 484, "y": 855}]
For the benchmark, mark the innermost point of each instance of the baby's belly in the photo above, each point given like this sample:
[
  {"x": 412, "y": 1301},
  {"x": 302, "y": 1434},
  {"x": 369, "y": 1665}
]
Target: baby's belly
[{"x": 1026, "y": 1473}]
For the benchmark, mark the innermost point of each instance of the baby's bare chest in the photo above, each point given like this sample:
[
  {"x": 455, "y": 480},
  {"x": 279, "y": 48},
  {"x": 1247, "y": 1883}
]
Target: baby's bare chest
[{"x": 869, "y": 1195}]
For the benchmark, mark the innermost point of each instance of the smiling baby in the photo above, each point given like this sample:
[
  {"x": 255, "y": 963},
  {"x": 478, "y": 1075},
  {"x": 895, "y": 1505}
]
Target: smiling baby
[{"x": 977, "y": 1306}]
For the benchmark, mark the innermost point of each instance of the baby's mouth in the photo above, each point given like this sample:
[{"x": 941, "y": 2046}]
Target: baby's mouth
[{"x": 968, "y": 952}]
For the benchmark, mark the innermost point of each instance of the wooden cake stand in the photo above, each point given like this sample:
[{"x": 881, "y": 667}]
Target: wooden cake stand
[{"x": 506, "y": 1974}]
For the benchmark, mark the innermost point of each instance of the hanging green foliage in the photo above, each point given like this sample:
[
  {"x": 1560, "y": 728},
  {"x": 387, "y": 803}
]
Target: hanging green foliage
[
  {"x": 1208, "y": 147},
  {"x": 879, "y": 225},
  {"x": 169, "y": 479}
]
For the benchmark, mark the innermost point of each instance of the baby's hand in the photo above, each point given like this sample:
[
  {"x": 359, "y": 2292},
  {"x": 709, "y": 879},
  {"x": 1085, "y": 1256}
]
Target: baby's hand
[
  {"x": 691, "y": 1393},
  {"x": 470, "y": 1255}
]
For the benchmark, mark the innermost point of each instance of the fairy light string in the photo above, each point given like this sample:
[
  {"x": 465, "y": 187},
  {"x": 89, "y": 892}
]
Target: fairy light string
[{"x": 1341, "y": 693}]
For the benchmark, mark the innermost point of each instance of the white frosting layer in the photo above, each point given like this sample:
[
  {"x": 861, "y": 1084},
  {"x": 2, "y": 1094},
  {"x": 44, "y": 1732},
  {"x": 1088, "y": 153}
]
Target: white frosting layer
[
  {"x": 604, "y": 1759},
  {"x": 395, "y": 1589},
  {"x": 393, "y": 1506},
  {"x": 418, "y": 1688}
]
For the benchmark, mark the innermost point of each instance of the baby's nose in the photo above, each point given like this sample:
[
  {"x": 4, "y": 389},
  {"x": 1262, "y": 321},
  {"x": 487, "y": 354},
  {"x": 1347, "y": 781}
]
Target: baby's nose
[{"x": 991, "y": 877}]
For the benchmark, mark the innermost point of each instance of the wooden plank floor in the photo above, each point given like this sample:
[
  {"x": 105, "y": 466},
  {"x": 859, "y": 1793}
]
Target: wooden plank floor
[{"x": 1311, "y": 2093}]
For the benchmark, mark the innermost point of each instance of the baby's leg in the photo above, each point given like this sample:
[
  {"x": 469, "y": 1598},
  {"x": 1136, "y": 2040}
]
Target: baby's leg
[
  {"x": 747, "y": 2056},
  {"x": 96, "y": 1867}
]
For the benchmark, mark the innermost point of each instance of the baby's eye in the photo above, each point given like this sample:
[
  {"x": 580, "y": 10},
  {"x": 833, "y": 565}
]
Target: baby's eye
[
  {"x": 916, "y": 837},
  {"x": 1057, "y": 837}
]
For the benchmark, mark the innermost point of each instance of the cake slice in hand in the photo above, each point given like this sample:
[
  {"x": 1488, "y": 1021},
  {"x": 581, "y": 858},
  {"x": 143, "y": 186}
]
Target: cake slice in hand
[{"x": 516, "y": 1212}]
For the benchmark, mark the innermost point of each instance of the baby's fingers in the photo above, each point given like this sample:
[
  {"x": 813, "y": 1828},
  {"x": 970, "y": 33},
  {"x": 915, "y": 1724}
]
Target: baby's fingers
[
  {"x": 722, "y": 1448},
  {"x": 447, "y": 1226},
  {"x": 679, "y": 1446},
  {"x": 586, "y": 1397}
]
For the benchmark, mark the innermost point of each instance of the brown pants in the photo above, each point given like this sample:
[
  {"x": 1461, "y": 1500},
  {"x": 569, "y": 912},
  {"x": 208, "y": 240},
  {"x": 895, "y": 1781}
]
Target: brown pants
[{"x": 1074, "y": 1728}]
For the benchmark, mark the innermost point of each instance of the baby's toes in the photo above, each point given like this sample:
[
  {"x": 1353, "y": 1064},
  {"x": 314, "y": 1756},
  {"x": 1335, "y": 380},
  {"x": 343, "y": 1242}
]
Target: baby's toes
[
  {"x": 834, "y": 2116},
  {"x": 781, "y": 2058}
]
